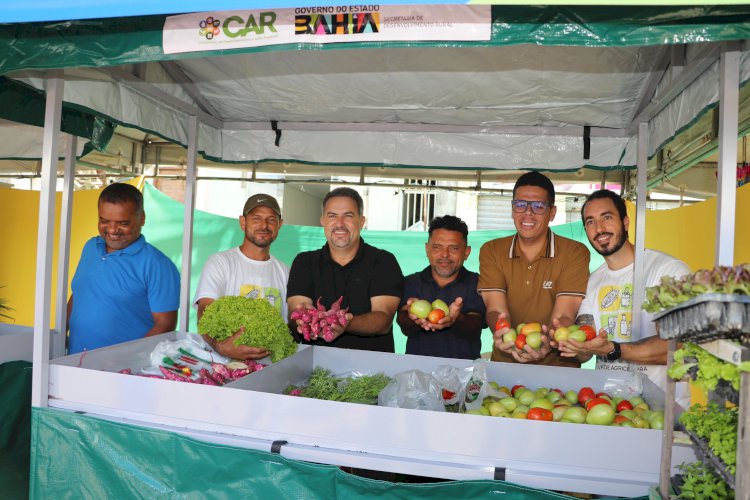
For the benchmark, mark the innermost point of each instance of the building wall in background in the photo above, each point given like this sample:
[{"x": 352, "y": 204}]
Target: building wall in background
[{"x": 300, "y": 208}]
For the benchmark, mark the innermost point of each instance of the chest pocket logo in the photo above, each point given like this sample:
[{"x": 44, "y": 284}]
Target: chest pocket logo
[{"x": 547, "y": 285}]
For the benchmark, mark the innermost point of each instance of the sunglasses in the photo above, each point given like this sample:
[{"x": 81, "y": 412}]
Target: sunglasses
[{"x": 537, "y": 207}]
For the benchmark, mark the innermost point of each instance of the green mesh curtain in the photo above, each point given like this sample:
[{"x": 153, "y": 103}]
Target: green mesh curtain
[{"x": 214, "y": 233}]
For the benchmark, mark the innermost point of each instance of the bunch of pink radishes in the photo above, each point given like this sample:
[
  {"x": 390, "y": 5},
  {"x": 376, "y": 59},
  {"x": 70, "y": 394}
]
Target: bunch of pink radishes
[{"x": 317, "y": 321}]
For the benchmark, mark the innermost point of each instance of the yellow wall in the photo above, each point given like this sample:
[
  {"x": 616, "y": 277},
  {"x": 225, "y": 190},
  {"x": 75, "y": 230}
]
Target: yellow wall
[
  {"x": 18, "y": 227},
  {"x": 689, "y": 233}
]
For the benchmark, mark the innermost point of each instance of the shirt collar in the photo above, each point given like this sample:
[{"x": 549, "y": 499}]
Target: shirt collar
[
  {"x": 427, "y": 275},
  {"x": 131, "y": 249},
  {"x": 357, "y": 256},
  {"x": 549, "y": 248}
]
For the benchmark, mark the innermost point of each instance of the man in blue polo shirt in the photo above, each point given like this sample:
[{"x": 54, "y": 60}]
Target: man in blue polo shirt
[
  {"x": 123, "y": 289},
  {"x": 457, "y": 335}
]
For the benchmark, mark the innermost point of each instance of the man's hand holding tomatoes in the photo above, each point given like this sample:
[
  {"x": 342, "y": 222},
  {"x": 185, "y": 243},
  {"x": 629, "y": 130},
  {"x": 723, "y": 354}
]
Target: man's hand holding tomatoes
[
  {"x": 502, "y": 326},
  {"x": 447, "y": 321},
  {"x": 530, "y": 355},
  {"x": 444, "y": 322},
  {"x": 597, "y": 346}
]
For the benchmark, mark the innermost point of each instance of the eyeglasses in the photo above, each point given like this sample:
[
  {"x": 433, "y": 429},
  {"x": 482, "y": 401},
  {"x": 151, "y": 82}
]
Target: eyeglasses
[{"x": 537, "y": 207}]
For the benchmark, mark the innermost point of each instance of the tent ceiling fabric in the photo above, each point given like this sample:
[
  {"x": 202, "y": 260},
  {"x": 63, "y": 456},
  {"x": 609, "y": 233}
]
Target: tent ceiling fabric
[
  {"x": 461, "y": 105},
  {"x": 525, "y": 86},
  {"x": 485, "y": 86}
]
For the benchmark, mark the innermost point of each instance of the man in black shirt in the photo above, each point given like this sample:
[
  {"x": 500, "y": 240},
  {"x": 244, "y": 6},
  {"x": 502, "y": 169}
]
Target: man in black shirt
[
  {"x": 369, "y": 279},
  {"x": 457, "y": 335}
]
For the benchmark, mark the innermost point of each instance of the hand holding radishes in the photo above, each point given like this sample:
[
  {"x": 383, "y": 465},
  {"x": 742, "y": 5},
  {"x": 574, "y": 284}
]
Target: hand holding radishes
[{"x": 314, "y": 322}]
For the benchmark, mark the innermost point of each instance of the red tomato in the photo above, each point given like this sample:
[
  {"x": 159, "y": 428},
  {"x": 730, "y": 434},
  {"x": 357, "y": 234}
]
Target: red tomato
[
  {"x": 589, "y": 330},
  {"x": 537, "y": 413},
  {"x": 520, "y": 341},
  {"x": 624, "y": 405},
  {"x": 596, "y": 401},
  {"x": 515, "y": 388},
  {"x": 501, "y": 323},
  {"x": 435, "y": 315},
  {"x": 584, "y": 395},
  {"x": 621, "y": 418},
  {"x": 448, "y": 394}
]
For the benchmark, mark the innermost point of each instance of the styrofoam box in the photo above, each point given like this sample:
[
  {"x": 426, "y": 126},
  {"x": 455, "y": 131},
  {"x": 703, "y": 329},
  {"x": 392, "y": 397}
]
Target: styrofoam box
[
  {"x": 570, "y": 457},
  {"x": 16, "y": 343}
]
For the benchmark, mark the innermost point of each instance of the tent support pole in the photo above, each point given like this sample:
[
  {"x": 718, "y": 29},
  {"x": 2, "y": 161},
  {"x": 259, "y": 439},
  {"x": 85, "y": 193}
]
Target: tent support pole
[
  {"x": 63, "y": 249},
  {"x": 640, "y": 226},
  {"x": 45, "y": 237},
  {"x": 187, "y": 235},
  {"x": 729, "y": 74}
]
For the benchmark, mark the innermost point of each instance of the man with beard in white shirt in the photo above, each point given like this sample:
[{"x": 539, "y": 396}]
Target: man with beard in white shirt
[
  {"x": 248, "y": 271},
  {"x": 608, "y": 304}
]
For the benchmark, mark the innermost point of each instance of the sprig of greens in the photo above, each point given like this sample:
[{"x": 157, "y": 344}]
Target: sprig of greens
[{"x": 322, "y": 384}]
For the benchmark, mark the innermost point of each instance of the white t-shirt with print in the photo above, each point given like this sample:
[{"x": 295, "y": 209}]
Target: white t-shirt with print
[
  {"x": 232, "y": 273},
  {"x": 609, "y": 299}
]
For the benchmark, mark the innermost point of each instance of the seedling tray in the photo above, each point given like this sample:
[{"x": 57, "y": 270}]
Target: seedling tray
[
  {"x": 708, "y": 457},
  {"x": 710, "y": 316}
]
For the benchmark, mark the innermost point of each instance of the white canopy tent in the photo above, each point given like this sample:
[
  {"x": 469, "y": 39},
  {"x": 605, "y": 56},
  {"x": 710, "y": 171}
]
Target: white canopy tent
[{"x": 549, "y": 90}]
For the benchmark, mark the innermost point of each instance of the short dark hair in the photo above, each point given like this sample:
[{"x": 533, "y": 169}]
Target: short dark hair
[
  {"x": 119, "y": 192},
  {"x": 611, "y": 195},
  {"x": 450, "y": 223},
  {"x": 539, "y": 180},
  {"x": 348, "y": 193}
]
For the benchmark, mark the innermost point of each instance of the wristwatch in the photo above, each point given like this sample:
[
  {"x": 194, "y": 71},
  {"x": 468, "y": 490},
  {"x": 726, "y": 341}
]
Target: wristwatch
[{"x": 615, "y": 353}]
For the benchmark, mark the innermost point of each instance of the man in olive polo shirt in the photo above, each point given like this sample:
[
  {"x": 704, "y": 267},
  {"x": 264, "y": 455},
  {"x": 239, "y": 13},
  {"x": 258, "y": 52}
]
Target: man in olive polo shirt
[{"x": 534, "y": 276}]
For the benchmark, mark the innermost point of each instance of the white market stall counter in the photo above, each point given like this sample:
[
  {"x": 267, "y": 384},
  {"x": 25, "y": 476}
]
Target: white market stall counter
[{"x": 252, "y": 413}]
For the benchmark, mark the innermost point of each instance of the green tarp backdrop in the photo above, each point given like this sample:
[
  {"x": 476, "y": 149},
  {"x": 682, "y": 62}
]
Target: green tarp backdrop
[{"x": 214, "y": 233}]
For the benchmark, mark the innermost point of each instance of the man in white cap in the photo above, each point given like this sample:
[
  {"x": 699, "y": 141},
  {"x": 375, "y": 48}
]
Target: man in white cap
[{"x": 248, "y": 270}]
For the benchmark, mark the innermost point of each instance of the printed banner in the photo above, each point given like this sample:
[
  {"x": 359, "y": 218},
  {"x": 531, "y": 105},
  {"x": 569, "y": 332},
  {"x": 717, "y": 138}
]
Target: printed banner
[{"x": 332, "y": 24}]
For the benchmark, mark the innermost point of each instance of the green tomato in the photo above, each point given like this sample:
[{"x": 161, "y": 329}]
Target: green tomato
[
  {"x": 601, "y": 415},
  {"x": 420, "y": 308},
  {"x": 439, "y": 304}
]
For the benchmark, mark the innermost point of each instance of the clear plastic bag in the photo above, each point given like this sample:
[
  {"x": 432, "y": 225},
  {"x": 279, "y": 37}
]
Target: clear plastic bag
[
  {"x": 479, "y": 387},
  {"x": 624, "y": 384},
  {"x": 452, "y": 383},
  {"x": 413, "y": 389},
  {"x": 189, "y": 352}
]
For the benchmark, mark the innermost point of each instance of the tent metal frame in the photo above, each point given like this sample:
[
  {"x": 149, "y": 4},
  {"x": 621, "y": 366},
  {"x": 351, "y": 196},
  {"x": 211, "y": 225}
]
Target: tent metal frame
[{"x": 49, "y": 344}]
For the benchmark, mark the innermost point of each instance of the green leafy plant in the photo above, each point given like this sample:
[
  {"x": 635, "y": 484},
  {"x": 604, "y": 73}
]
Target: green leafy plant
[
  {"x": 710, "y": 369},
  {"x": 263, "y": 324},
  {"x": 699, "y": 482},
  {"x": 717, "y": 427},
  {"x": 721, "y": 279}
]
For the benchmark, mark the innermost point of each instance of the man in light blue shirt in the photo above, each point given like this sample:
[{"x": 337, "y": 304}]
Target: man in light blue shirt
[{"x": 124, "y": 288}]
